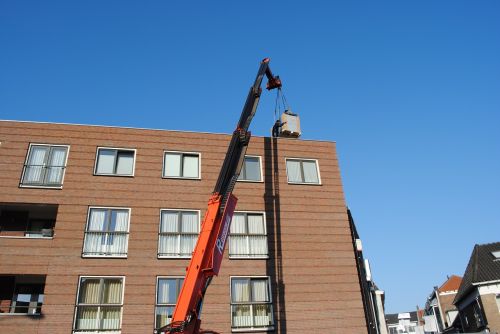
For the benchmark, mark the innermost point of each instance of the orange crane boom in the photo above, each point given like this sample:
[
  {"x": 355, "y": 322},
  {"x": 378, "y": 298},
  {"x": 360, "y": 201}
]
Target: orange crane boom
[{"x": 208, "y": 252}]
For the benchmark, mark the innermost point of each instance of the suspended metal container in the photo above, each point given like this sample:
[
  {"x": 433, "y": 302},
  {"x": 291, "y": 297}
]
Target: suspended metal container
[{"x": 290, "y": 125}]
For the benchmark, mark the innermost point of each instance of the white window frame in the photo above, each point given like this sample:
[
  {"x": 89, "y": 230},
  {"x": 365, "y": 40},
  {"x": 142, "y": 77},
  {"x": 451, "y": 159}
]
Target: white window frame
[
  {"x": 248, "y": 256},
  {"x": 181, "y": 177},
  {"x": 159, "y": 233},
  {"x": 303, "y": 159},
  {"x": 261, "y": 180},
  {"x": 156, "y": 293},
  {"x": 116, "y": 149},
  {"x": 22, "y": 185},
  {"x": 87, "y": 224},
  {"x": 74, "y": 330},
  {"x": 251, "y": 329}
]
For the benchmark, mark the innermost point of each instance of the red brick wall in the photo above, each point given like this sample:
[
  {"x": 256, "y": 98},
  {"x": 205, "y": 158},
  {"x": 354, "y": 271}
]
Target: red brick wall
[
  {"x": 311, "y": 256},
  {"x": 446, "y": 302},
  {"x": 491, "y": 311}
]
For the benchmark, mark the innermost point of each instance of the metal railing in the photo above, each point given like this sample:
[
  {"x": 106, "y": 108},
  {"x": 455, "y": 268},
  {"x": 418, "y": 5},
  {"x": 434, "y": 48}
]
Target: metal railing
[
  {"x": 28, "y": 308},
  {"x": 42, "y": 175},
  {"x": 40, "y": 233}
]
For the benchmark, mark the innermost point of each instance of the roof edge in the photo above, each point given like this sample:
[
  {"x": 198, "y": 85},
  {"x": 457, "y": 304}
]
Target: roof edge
[
  {"x": 485, "y": 282},
  {"x": 155, "y": 129}
]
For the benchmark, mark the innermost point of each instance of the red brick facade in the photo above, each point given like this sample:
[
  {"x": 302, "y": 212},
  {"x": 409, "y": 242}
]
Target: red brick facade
[{"x": 311, "y": 261}]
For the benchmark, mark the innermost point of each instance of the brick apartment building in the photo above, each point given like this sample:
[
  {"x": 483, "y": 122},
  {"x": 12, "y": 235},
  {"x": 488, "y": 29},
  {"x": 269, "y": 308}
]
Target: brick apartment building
[{"x": 97, "y": 225}]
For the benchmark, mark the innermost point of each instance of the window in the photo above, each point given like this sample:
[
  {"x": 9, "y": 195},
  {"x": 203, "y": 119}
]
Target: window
[
  {"x": 247, "y": 238},
  {"x": 181, "y": 165},
  {"x": 251, "y": 170},
  {"x": 302, "y": 171},
  {"x": 45, "y": 166},
  {"x": 167, "y": 292},
  {"x": 251, "y": 306},
  {"x": 99, "y": 304},
  {"x": 178, "y": 233},
  {"x": 107, "y": 232},
  {"x": 118, "y": 162},
  {"x": 27, "y": 220},
  {"x": 21, "y": 294}
]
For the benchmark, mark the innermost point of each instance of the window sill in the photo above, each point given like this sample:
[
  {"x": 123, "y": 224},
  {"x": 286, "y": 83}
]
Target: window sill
[
  {"x": 252, "y": 329},
  {"x": 248, "y": 257},
  {"x": 97, "y": 331},
  {"x": 174, "y": 257},
  {"x": 21, "y": 237},
  {"x": 116, "y": 175},
  {"x": 251, "y": 181},
  {"x": 40, "y": 187},
  {"x": 181, "y": 178},
  {"x": 21, "y": 314},
  {"x": 104, "y": 256},
  {"x": 305, "y": 184}
]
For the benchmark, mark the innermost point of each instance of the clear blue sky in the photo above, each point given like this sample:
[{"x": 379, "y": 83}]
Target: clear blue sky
[{"x": 409, "y": 90}]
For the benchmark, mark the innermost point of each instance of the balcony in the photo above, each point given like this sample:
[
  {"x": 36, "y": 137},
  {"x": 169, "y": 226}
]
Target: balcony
[
  {"x": 27, "y": 220},
  {"x": 21, "y": 294}
]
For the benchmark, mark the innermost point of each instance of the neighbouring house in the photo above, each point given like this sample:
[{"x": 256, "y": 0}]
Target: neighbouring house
[
  {"x": 403, "y": 323},
  {"x": 439, "y": 312},
  {"x": 478, "y": 297},
  {"x": 373, "y": 297},
  {"x": 98, "y": 223}
]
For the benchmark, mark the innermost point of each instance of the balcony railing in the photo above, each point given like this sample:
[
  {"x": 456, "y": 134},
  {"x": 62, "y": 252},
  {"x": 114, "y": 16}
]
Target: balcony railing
[
  {"x": 9, "y": 307},
  {"x": 43, "y": 176},
  {"x": 39, "y": 233},
  {"x": 105, "y": 244},
  {"x": 255, "y": 315}
]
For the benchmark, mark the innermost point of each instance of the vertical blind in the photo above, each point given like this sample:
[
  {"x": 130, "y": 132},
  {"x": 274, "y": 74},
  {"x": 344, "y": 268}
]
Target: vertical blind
[
  {"x": 248, "y": 235},
  {"x": 181, "y": 165},
  {"x": 55, "y": 167},
  {"x": 115, "y": 162},
  {"x": 125, "y": 163},
  {"x": 302, "y": 171},
  {"x": 45, "y": 165},
  {"x": 166, "y": 298},
  {"x": 99, "y": 304},
  {"x": 251, "y": 169},
  {"x": 250, "y": 302},
  {"x": 178, "y": 232},
  {"x": 190, "y": 166},
  {"x": 107, "y": 232},
  {"x": 106, "y": 161}
]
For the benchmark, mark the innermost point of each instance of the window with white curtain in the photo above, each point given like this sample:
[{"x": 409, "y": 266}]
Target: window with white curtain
[
  {"x": 112, "y": 161},
  {"x": 251, "y": 169},
  {"x": 251, "y": 305},
  {"x": 247, "y": 237},
  {"x": 302, "y": 171},
  {"x": 99, "y": 305},
  {"x": 45, "y": 165},
  {"x": 106, "y": 233},
  {"x": 181, "y": 165},
  {"x": 167, "y": 292},
  {"x": 179, "y": 231}
]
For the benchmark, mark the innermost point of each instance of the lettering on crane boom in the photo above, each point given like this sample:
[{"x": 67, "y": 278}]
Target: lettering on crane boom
[
  {"x": 223, "y": 233},
  {"x": 221, "y": 241}
]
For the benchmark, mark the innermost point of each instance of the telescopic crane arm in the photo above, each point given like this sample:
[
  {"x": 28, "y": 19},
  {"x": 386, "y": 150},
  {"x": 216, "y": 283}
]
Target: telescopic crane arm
[{"x": 208, "y": 252}]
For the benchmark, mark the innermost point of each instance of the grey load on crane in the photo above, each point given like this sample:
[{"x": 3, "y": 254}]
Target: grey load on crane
[{"x": 288, "y": 124}]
